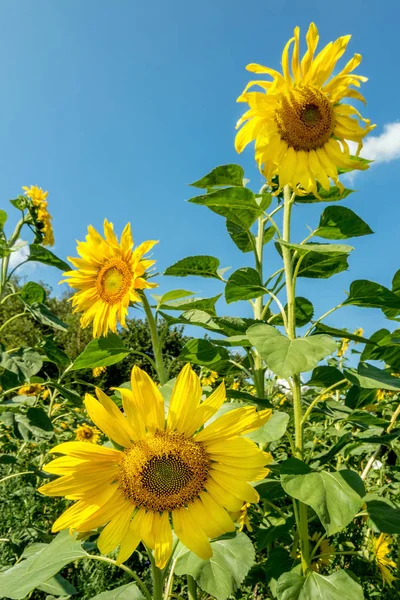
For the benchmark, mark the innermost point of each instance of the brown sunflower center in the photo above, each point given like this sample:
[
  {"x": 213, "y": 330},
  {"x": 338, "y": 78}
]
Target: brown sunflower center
[
  {"x": 305, "y": 118},
  {"x": 113, "y": 280},
  {"x": 164, "y": 471}
]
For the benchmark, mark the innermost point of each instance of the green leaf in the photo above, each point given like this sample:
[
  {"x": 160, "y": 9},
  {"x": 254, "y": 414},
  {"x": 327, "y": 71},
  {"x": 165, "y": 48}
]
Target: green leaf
[
  {"x": 383, "y": 516},
  {"x": 338, "y": 223},
  {"x": 244, "y": 284},
  {"x": 338, "y": 586},
  {"x": 72, "y": 397},
  {"x": 36, "y": 422},
  {"x": 221, "y": 575},
  {"x": 22, "y": 578},
  {"x": 303, "y": 310},
  {"x": 21, "y": 202},
  {"x": 202, "y": 266},
  {"x": 247, "y": 397},
  {"x": 369, "y": 294},
  {"x": 24, "y": 362},
  {"x": 130, "y": 591},
  {"x": 57, "y": 586},
  {"x": 32, "y": 292},
  {"x": 234, "y": 325},
  {"x": 287, "y": 357},
  {"x": 273, "y": 429},
  {"x": 54, "y": 353},
  {"x": 3, "y": 218},
  {"x": 325, "y": 376},
  {"x": 171, "y": 295},
  {"x": 193, "y": 317},
  {"x": 203, "y": 352},
  {"x": 371, "y": 378},
  {"x": 332, "y": 195},
  {"x": 101, "y": 352},
  {"x": 204, "y": 304},
  {"x": 341, "y": 333},
  {"x": 41, "y": 313},
  {"x": 303, "y": 249},
  {"x": 315, "y": 265},
  {"x": 242, "y": 237},
  {"x": 237, "y": 204},
  {"x": 221, "y": 175},
  {"x": 43, "y": 255},
  {"x": 335, "y": 497}
]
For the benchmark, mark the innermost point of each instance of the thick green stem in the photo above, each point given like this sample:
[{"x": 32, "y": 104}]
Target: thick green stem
[
  {"x": 296, "y": 382},
  {"x": 258, "y": 310},
  {"x": 192, "y": 588},
  {"x": 158, "y": 358}
]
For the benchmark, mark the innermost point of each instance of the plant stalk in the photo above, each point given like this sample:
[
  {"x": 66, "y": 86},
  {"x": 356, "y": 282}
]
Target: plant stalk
[
  {"x": 158, "y": 358},
  {"x": 192, "y": 588}
]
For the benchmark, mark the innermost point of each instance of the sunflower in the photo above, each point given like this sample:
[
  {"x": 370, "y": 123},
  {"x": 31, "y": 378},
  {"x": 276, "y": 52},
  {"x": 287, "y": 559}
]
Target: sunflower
[
  {"x": 33, "y": 389},
  {"x": 40, "y": 214},
  {"x": 108, "y": 275},
  {"x": 210, "y": 378},
  {"x": 97, "y": 371},
  {"x": 167, "y": 467},
  {"x": 381, "y": 550},
  {"x": 87, "y": 433},
  {"x": 300, "y": 127}
]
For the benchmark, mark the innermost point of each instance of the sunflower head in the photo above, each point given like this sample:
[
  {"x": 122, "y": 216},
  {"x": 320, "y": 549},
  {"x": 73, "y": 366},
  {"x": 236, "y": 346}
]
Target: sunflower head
[
  {"x": 210, "y": 378},
  {"x": 40, "y": 216},
  {"x": 108, "y": 276},
  {"x": 97, "y": 371},
  {"x": 33, "y": 389},
  {"x": 381, "y": 550},
  {"x": 298, "y": 121},
  {"x": 87, "y": 433},
  {"x": 173, "y": 470}
]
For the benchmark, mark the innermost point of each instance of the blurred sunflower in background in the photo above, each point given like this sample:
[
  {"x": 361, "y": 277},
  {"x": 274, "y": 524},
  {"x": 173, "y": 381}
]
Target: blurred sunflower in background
[
  {"x": 168, "y": 468},
  {"x": 41, "y": 217},
  {"x": 299, "y": 124},
  {"x": 108, "y": 277},
  {"x": 381, "y": 551}
]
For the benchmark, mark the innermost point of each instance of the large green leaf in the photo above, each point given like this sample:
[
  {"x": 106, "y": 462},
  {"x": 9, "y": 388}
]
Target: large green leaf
[
  {"x": 384, "y": 517},
  {"x": 171, "y": 295},
  {"x": 332, "y": 195},
  {"x": 338, "y": 223},
  {"x": 369, "y": 294},
  {"x": 221, "y": 575},
  {"x": 101, "y": 352},
  {"x": 342, "y": 334},
  {"x": 317, "y": 265},
  {"x": 336, "y": 497},
  {"x": 3, "y": 218},
  {"x": 287, "y": 357},
  {"x": 244, "y": 284},
  {"x": 193, "y": 317},
  {"x": 237, "y": 204},
  {"x": 54, "y": 353},
  {"x": 338, "y": 586},
  {"x": 303, "y": 311},
  {"x": 325, "y": 376},
  {"x": 33, "y": 292},
  {"x": 202, "y": 266},
  {"x": 234, "y": 325},
  {"x": 130, "y": 591},
  {"x": 273, "y": 429},
  {"x": 23, "y": 362},
  {"x": 58, "y": 586},
  {"x": 220, "y": 176},
  {"x": 41, "y": 313},
  {"x": 36, "y": 422},
  {"x": 203, "y": 352},
  {"x": 40, "y": 254},
  {"x": 371, "y": 378},
  {"x": 22, "y": 578},
  {"x": 303, "y": 249},
  {"x": 243, "y": 237},
  {"x": 183, "y": 304}
]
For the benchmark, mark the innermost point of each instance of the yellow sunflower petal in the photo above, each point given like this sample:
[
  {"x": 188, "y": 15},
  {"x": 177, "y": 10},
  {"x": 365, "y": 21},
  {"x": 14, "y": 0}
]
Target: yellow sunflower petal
[
  {"x": 190, "y": 534},
  {"x": 236, "y": 422},
  {"x": 115, "y": 530},
  {"x": 162, "y": 539},
  {"x": 185, "y": 400},
  {"x": 148, "y": 399},
  {"x": 117, "y": 431}
]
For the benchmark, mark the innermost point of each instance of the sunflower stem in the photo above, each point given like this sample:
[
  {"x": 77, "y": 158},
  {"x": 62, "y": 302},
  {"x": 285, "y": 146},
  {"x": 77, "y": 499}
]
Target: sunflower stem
[
  {"x": 258, "y": 307},
  {"x": 302, "y": 520},
  {"x": 157, "y": 577},
  {"x": 192, "y": 588},
  {"x": 158, "y": 358}
]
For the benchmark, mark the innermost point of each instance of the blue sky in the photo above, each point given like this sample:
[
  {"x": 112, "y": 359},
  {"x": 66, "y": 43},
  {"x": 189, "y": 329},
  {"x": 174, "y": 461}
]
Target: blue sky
[{"x": 116, "y": 106}]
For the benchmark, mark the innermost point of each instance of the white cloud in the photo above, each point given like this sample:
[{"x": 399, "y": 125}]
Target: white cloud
[
  {"x": 20, "y": 252},
  {"x": 384, "y": 147}
]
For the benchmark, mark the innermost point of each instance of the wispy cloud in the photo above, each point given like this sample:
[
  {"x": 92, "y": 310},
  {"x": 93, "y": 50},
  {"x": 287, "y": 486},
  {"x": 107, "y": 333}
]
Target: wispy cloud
[
  {"x": 19, "y": 254},
  {"x": 384, "y": 147}
]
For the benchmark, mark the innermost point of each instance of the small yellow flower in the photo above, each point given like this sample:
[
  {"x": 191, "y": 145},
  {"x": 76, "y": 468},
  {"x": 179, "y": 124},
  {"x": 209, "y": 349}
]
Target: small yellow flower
[
  {"x": 243, "y": 519},
  {"x": 87, "y": 433},
  {"x": 33, "y": 389},
  {"x": 210, "y": 378},
  {"x": 343, "y": 347},
  {"x": 41, "y": 214},
  {"x": 381, "y": 550},
  {"x": 108, "y": 276},
  {"x": 97, "y": 371},
  {"x": 359, "y": 331},
  {"x": 252, "y": 390},
  {"x": 323, "y": 548},
  {"x": 64, "y": 425},
  {"x": 380, "y": 395},
  {"x": 235, "y": 385}
]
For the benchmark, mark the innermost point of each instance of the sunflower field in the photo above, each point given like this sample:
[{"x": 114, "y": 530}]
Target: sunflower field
[{"x": 258, "y": 460}]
